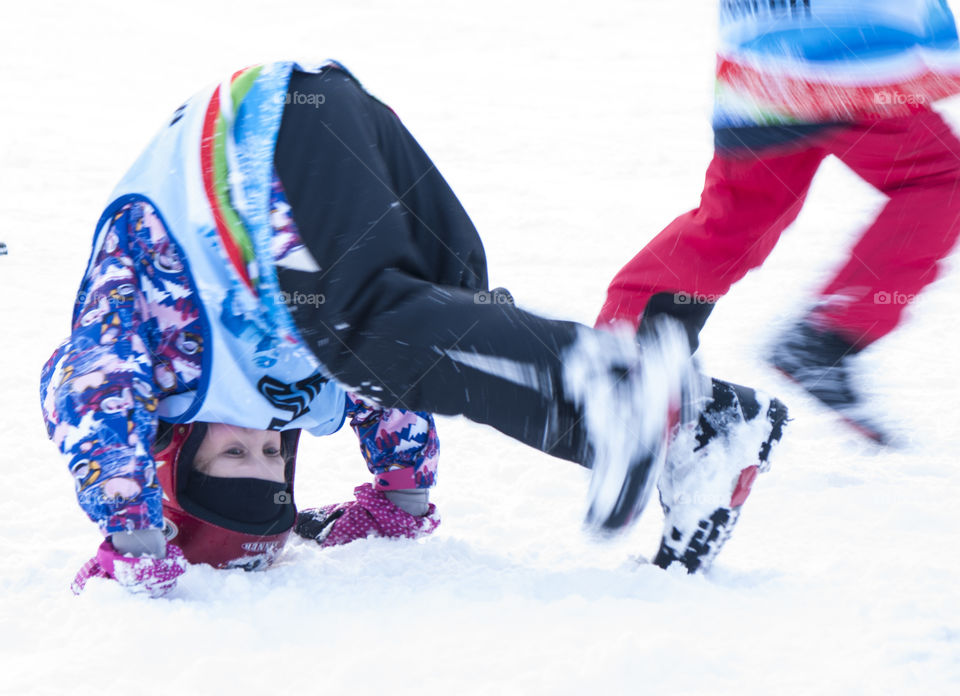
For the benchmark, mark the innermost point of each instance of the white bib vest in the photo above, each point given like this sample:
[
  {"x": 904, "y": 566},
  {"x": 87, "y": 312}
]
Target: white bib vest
[{"x": 257, "y": 373}]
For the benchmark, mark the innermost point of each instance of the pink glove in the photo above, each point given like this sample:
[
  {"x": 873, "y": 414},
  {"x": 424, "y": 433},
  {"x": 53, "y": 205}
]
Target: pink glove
[
  {"x": 144, "y": 575},
  {"x": 371, "y": 514}
]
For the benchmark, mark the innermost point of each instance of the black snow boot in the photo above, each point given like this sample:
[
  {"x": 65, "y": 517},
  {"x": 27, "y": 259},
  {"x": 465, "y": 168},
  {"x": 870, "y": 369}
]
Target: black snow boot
[{"x": 820, "y": 361}]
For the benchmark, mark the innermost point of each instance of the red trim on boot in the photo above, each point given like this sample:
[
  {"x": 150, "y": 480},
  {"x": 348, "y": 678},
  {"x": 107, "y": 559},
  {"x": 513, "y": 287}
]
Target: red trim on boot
[{"x": 744, "y": 484}]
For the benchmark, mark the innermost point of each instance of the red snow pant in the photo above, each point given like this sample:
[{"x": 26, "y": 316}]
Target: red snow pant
[{"x": 751, "y": 197}]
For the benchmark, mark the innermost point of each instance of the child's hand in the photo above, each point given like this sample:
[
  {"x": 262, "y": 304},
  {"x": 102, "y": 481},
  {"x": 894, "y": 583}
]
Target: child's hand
[
  {"x": 144, "y": 575},
  {"x": 371, "y": 514}
]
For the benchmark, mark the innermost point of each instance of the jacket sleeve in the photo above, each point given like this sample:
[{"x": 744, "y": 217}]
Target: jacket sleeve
[
  {"x": 400, "y": 447},
  {"x": 98, "y": 395}
]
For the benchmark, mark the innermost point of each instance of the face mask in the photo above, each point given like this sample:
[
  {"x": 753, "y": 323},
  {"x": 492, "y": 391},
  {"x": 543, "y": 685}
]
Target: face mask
[{"x": 248, "y": 500}]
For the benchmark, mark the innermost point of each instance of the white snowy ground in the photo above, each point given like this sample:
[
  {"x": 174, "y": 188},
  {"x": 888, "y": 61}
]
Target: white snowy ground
[{"x": 572, "y": 133}]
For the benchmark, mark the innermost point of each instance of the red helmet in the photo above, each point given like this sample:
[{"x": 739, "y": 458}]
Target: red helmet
[{"x": 217, "y": 531}]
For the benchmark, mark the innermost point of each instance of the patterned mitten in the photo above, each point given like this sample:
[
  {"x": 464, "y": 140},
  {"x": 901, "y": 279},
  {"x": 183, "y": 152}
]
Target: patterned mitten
[
  {"x": 371, "y": 514},
  {"x": 144, "y": 575}
]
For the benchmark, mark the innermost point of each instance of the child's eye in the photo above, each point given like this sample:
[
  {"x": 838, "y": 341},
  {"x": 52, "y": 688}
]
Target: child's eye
[
  {"x": 235, "y": 452},
  {"x": 271, "y": 451}
]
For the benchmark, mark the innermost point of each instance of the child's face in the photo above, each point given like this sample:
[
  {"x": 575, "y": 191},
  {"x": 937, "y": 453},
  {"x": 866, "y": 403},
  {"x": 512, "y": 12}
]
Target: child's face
[{"x": 233, "y": 452}]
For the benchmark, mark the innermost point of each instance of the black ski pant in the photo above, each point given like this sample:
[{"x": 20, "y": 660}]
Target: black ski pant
[{"x": 401, "y": 311}]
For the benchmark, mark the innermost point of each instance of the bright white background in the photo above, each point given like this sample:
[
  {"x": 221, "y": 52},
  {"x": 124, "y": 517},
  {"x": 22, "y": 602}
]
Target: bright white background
[{"x": 572, "y": 132}]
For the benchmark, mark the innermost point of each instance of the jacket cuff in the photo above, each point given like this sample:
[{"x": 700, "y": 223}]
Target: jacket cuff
[{"x": 146, "y": 514}]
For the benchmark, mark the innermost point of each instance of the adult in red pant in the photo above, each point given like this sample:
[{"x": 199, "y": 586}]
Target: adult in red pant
[{"x": 762, "y": 169}]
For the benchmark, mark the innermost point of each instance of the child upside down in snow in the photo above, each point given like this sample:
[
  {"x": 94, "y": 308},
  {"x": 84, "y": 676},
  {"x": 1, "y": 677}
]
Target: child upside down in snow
[{"x": 279, "y": 264}]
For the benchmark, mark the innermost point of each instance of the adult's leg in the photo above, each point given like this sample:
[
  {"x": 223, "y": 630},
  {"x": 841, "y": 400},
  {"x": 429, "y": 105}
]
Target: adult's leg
[
  {"x": 748, "y": 200},
  {"x": 916, "y": 162}
]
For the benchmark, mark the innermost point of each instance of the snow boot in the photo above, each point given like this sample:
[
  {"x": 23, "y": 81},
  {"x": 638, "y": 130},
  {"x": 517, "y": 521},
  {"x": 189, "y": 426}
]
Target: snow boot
[
  {"x": 710, "y": 468},
  {"x": 820, "y": 362},
  {"x": 631, "y": 393}
]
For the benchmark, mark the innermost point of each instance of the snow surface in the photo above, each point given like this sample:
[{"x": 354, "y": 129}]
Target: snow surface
[{"x": 572, "y": 133}]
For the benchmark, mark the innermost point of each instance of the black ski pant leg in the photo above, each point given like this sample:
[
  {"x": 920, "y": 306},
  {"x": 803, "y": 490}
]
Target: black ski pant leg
[{"x": 401, "y": 265}]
